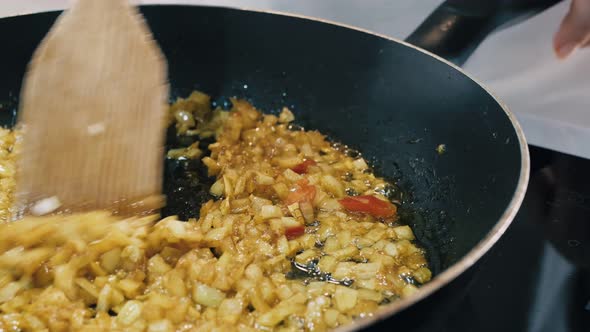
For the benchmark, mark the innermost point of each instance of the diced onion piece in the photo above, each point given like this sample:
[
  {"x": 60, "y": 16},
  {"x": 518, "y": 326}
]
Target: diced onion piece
[
  {"x": 282, "y": 310},
  {"x": 254, "y": 272},
  {"x": 360, "y": 164},
  {"x": 327, "y": 264},
  {"x": 422, "y": 275},
  {"x": 64, "y": 279},
  {"x": 290, "y": 222},
  {"x": 291, "y": 176},
  {"x": 404, "y": 233},
  {"x": 129, "y": 287},
  {"x": 306, "y": 150},
  {"x": 295, "y": 211},
  {"x": 130, "y": 312},
  {"x": 86, "y": 285},
  {"x": 345, "y": 253},
  {"x": 370, "y": 295},
  {"x": 391, "y": 249},
  {"x": 367, "y": 283},
  {"x": 258, "y": 203},
  {"x": 176, "y": 228},
  {"x": 274, "y": 316},
  {"x": 367, "y": 270},
  {"x": 184, "y": 118},
  {"x": 331, "y": 244},
  {"x": 34, "y": 323},
  {"x": 230, "y": 310},
  {"x": 213, "y": 166},
  {"x": 332, "y": 185},
  {"x": 345, "y": 298},
  {"x": 103, "y": 303},
  {"x": 283, "y": 245},
  {"x": 286, "y": 116},
  {"x": 270, "y": 211},
  {"x": 375, "y": 234},
  {"x": 110, "y": 259},
  {"x": 157, "y": 265},
  {"x": 45, "y": 206},
  {"x": 163, "y": 325},
  {"x": 217, "y": 188},
  {"x": 217, "y": 234},
  {"x": 408, "y": 290},
  {"x": 9, "y": 291},
  {"x": 264, "y": 179},
  {"x": 307, "y": 211},
  {"x": 207, "y": 296},
  {"x": 305, "y": 256},
  {"x": 284, "y": 292},
  {"x": 331, "y": 317},
  {"x": 281, "y": 189},
  {"x": 330, "y": 205},
  {"x": 287, "y": 162},
  {"x": 343, "y": 270}
]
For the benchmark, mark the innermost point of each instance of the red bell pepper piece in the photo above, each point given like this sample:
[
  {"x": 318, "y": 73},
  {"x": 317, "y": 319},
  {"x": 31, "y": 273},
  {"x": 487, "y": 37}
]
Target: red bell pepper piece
[
  {"x": 370, "y": 205},
  {"x": 303, "y": 193},
  {"x": 294, "y": 232},
  {"x": 304, "y": 166}
]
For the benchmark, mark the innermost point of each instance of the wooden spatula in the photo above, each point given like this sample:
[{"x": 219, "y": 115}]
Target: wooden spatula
[{"x": 93, "y": 114}]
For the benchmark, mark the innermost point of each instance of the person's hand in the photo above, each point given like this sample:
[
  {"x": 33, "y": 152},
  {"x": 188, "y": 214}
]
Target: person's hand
[{"x": 574, "y": 31}]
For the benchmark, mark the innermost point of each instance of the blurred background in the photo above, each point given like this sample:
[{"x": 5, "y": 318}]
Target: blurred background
[{"x": 548, "y": 96}]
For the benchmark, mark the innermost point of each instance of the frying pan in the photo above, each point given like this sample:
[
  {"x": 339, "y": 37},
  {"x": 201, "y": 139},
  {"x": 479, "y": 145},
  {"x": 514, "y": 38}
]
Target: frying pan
[{"x": 394, "y": 102}]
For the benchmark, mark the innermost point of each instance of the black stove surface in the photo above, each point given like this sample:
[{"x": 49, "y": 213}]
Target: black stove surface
[
  {"x": 536, "y": 279},
  {"x": 525, "y": 289}
]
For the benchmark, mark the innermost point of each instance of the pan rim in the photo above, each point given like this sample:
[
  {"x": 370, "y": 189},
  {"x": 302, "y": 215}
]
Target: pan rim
[{"x": 485, "y": 244}]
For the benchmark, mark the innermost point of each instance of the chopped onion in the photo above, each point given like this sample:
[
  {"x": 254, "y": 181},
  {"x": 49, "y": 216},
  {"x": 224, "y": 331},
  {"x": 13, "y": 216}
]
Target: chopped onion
[
  {"x": 307, "y": 211},
  {"x": 45, "y": 206}
]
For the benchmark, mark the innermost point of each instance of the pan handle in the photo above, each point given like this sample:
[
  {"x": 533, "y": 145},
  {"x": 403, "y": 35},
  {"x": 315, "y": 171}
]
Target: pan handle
[{"x": 455, "y": 29}]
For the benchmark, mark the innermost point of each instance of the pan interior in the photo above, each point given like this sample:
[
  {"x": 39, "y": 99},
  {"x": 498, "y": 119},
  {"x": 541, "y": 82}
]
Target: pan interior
[{"x": 401, "y": 108}]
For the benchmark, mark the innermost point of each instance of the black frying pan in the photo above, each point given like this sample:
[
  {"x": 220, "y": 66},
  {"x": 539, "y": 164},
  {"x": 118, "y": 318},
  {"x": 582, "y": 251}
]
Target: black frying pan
[{"x": 392, "y": 101}]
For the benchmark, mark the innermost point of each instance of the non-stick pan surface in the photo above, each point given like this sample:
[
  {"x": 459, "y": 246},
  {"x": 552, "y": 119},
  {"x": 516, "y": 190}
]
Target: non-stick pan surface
[{"x": 393, "y": 102}]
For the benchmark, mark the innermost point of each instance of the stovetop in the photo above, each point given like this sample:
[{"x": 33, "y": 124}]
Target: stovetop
[
  {"x": 525, "y": 285},
  {"x": 536, "y": 278}
]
